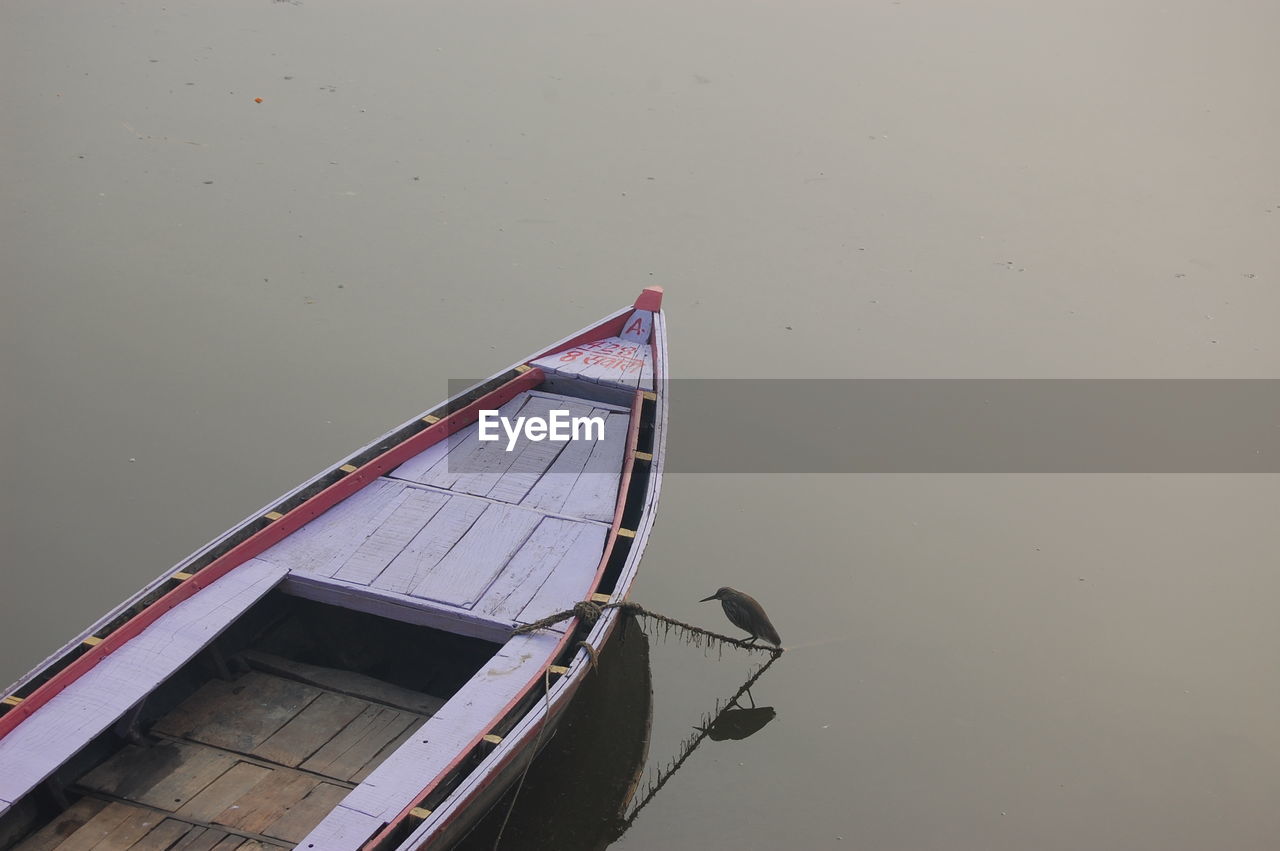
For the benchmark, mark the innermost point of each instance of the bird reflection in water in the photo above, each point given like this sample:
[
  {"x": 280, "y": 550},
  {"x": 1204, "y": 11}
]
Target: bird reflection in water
[{"x": 736, "y": 724}]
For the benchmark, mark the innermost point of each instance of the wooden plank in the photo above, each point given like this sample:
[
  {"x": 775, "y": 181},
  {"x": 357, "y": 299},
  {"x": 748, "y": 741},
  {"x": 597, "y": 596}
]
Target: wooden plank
[
  {"x": 342, "y": 829},
  {"x": 530, "y": 463},
  {"x": 137, "y": 825},
  {"x": 529, "y": 568},
  {"x": 299, "y": 818},
  {"x": 571, "y": 579},
  {"x": 533, "y": 458},
  {"x": 92, "y": 703},
  {"x": 429, "y": 546},
  {"x": 347, "y": 753},
  {"x": 414, "y": 510},
  {"x": 163, "y": 837},
  {"x": 465, "y": 447},
  {"x": 473, "y": 563},
  {"x": 253, "y": 845},
  {"x": 399, "y": 607},
  {"x": 616, "y": 362},
  {"x": 66, "y": 824},
  {"x": 224, "y": 792},
  {"x": 266, "y": 802},
  {"x": 238, "y": 715},
  {"x": 419, "y": 465},
  {"x": 553, "y": 489},
  {"x": 568, "y": 362},
  {"x": 577, "y": 400},
  {"x": 310, "y": 729},
  {"x": 345, "y": 682},
  {"x": 387, "y": 750},
  {"x": 477, "y": 472},
  {"x": 201, "y": 839},
  {"x": 165, "y": 775},
  {"x": 595, "y": 493},
  {"x": 328, "y": 541},
  {"x": 232, "y": 843},
  {"x": 115, "y": 826},
  {"x": 472, "y": 712}
]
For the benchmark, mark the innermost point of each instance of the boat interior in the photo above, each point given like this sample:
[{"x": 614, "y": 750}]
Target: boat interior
[
  {"x": 255, "y": 710},
  {"x": 251, "y": 743}
]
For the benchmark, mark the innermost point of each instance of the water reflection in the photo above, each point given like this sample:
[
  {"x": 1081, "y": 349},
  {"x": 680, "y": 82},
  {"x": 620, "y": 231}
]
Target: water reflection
[
  {"x": 737, "y": 724},
  {"x": 579, "y": 787},
  {"x": 578, "y": 793}
]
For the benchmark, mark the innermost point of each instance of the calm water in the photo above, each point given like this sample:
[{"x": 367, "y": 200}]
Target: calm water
[{"x": 206, "y": 299}]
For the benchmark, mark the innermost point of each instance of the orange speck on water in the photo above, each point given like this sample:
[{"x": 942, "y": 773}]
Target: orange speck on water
[{"x": 257, "y": 100}]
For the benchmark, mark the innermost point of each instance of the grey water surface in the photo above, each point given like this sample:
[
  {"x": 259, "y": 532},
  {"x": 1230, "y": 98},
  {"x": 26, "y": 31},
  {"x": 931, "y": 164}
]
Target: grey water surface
[{"x": 205, "y": 298}]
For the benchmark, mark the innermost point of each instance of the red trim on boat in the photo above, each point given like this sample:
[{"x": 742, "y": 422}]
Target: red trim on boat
[
  {"x": 264, "y": 538},
  {"x": 650, "y": 299}
]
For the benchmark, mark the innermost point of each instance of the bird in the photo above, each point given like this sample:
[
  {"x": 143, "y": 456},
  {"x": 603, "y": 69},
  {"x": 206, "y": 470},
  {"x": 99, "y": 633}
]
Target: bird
[{"x": 744, "y": 612}]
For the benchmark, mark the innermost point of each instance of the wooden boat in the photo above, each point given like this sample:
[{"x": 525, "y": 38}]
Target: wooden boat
[{"x": 342, "y": 670}]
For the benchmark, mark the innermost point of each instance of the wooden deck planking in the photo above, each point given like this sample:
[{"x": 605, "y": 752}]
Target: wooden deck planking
[
  {"x": 345, "y": 682},
  {"x": 400, "y": 607},
  {"x": 537, "y": 458},
  {"x": 531, "y": 462},
  {"x": 564, "y": 400},
  {"x": 571, "y": 580},
  {"x": 556, "y": 545},
  {"x": 419, "y": 465},
  {"x": 284, "y": 722},
  {"x": 166, "y": 775},
  {"x": 553, "y": 489},
  {"x": 114, "y": 827},
  {"x": 239, "y": 715},
  {"x": 619, "y": 364},
  {"x": 387, "y": 750},
  {"x": 414, "y": 510},
  {"x": 163, "y": 837},
  {"x": 208, "y": 839},
  {"x": 92, "y": 703},
  {"x": 411, "y": 566},
  {"x": 327, "y": 542},
  {"x": 613, "y": 361},
  {"x": 395, "y": 783},
  {"x": 342, "y": 829},
  {"x": 350, "y": 751},
  {"x": 68, "y": 822},
  {"x": 480, "y": 472},
  {"x": 479, "y": 556},
  {"x": 222, "y": 793},
  {"x": 465, "y": 449},
  {"x": 309, "y": 730},
  {"x": 594, "y": 494},
  {"x": 568, "y": 363},
  {"x": 299, "y": 817},
  {"x": 266, "y": 802}
]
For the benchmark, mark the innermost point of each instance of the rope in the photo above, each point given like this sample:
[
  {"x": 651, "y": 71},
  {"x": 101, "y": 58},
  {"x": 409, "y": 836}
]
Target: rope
[
  {"x": 537, "y": 747},
  {"x": 590, "y": 612}
]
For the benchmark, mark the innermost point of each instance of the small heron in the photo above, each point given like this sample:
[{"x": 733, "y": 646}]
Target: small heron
[{"x": 744, "y": 612}]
